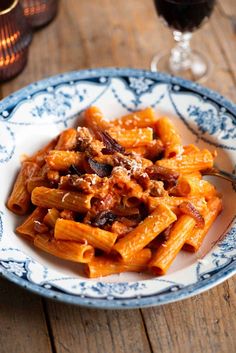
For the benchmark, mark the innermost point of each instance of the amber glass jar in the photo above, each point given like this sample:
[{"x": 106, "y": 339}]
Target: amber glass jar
[{"x": 15, "y": 37}]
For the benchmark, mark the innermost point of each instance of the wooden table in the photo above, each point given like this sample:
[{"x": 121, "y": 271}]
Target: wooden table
[{"x": 99, "y": 33}]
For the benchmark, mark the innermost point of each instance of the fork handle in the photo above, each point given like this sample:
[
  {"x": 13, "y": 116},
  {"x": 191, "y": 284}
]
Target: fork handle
[{"x": 222, "y": 174}]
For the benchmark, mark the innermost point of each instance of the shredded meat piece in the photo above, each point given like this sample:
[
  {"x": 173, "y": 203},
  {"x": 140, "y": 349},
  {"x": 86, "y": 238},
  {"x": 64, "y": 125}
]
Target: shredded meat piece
[
  {"x": 133, "y": 163},
  {"x": 88, "y": 183},
  {"x": 74, "y": 170},
  {"x": 188, "y": 209},
  {"x": 154, "y": 150},
  {"x": 132, "y": 221},
  {"x": 111, "y": 145},
  {"x": 168, "y": 176},
  {"x": 101, "y": 169},
  {"x": 66, "y": 181},
  {"x": 156, "y": 188},
  {"x": 84, "y": 138},
  {"x": 95, "y": 149},
  {"x": 87, "y": 143},
  {"x": 104, "y": 203},
  {"x": 100, "y": 203},
  {"x": 120, "y": 228},
  {"x": 103, "y": 218},
  {"x": 67, "y": 214},
  {"x": 119, "y": 177},
  {"x": 143, "y": 180},
  {"x": 40, "y": 227}
]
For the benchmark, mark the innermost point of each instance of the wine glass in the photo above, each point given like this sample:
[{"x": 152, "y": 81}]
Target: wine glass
[{"x": 183, "y": 17}]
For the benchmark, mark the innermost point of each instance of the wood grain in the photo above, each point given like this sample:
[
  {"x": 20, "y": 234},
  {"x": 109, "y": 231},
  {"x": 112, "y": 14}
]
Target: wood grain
[
  {"x": 120, "y": 33},
  {"x": 88, "y": 330},
  {"x": 23, "y": 324},
  {"x": 227, "y": 37},
  {"x": 204, "y": 323}
]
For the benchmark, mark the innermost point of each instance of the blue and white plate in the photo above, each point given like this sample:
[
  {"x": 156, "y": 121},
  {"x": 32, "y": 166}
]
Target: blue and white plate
[{"x": 32, "y": 116}]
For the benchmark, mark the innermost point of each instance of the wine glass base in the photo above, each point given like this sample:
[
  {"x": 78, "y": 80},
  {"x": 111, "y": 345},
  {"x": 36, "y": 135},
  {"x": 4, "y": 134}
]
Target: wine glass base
[{"x": 198, "y": 68}]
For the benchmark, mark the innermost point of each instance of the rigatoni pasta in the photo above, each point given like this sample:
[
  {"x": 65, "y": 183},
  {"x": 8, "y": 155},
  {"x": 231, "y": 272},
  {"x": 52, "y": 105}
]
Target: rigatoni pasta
[
  {"x": 61, "y": 199},
  {"x": 169, "y": 136},
  {"x": 145, "y": 232},
  {"x": 67, "y": 250},
  {"x": 117, "y": 196},
  {"x": 104, "y": 266},
  {"x": 196, "y": 237},
  {"x": 167, "y": 252},
  {"x": 76, "y": 231},
  {"x": 19, "y": 200}
]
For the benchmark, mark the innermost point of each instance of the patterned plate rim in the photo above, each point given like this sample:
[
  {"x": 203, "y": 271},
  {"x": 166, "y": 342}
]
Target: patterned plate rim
[{"x": 155, "y": 299}]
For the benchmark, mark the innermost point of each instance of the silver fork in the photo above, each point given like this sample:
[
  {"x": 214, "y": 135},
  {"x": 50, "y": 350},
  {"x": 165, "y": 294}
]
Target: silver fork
[{"x": 221, "y": 174}]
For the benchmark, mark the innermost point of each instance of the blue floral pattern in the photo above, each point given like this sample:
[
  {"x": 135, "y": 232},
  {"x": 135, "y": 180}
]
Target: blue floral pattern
[
  {"x": 228, "y": 243},
  {"x": 14, "y": 267},
  {"x": 140, "y": 85},
  {"x": 55, "y": 101},
  {"x": 7, "y": 150},
  {"x": 210, "y": 122}
]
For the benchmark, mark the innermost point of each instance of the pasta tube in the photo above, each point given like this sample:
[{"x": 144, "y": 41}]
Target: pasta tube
[
  {"x": 193, "y": 186},
  {"x": 105, "y": 266},
  {"x": 173, "y": 202},
  {"x": 62, "y": 160},
  {"x": 95, "y": 119},
  {"x": 141, "y": 118},
  {"x": 145, "y": 232},
  {"x": 76, "y": 231},
  {"x": 132, "y": 138},
  {"x": 67, "y": 250},
  {"x": 167, "y": 252},
  {"x": 62, "y": 199},
  {"x": 51, "y": 217},
  {"x": 27, "y": 229},
  {"x": 188, "y": 149},
  {"x": 195, "y": 239},
  {"x": 189, "y": 163},
  {"x": 151, "y": 151},
  {"x": 67, "y": 140},
  {"x": 19, "y": 200},
  {"x": 169, "y": 136},
  {"x": 35, "y": 182}
]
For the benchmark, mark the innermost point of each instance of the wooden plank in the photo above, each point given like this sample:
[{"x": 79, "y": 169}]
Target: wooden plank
[
  {"x": 227, "y": 36},
  {"x": 205, "y": 323},
  {"x": 221, "y": 79},
  {"x": 23, "y": 326},
  {"x": 88, "y": 330}
]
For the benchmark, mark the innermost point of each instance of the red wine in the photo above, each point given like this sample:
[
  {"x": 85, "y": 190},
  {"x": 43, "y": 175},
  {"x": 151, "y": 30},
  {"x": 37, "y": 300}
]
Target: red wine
[{"x": 184, "y": 15}]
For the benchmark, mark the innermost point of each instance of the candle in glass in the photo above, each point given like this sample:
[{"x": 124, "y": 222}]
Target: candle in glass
[{"x": 15, "y": 37}]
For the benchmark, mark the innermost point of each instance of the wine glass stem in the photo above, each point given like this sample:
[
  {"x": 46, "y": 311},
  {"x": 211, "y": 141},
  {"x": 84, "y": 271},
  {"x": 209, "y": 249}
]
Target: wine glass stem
[{"x": 180, "y": 58}]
